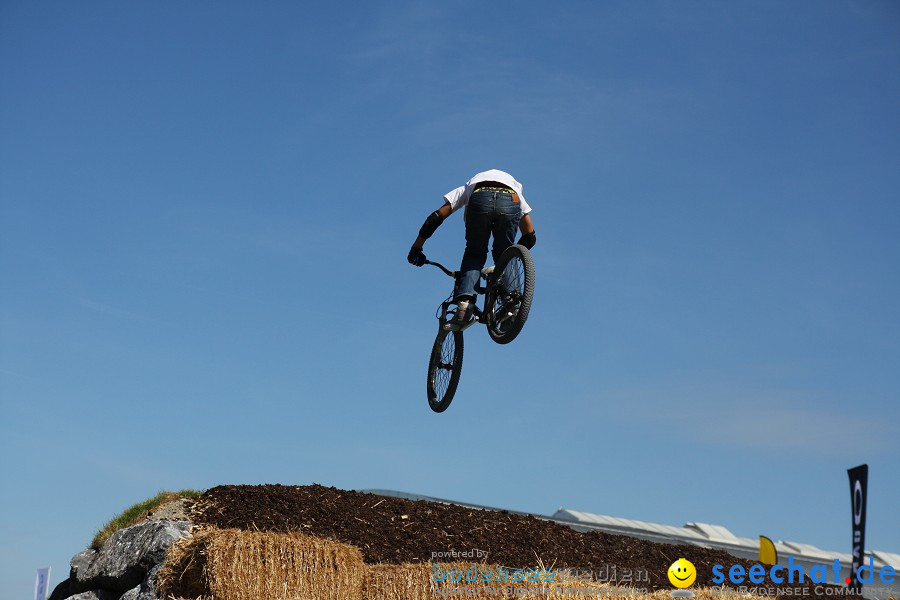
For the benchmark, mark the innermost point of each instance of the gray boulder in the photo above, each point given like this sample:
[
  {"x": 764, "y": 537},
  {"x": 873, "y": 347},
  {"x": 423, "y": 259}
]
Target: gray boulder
[
  {"x": 69, "y": 587},
  {"x": 82, "y": 561},
  {"x": 127, "y": 557},
  {"x": 95, "y": 595},
  {"x": 146, "y": 590},
  {"x": 61, "y": 591}
]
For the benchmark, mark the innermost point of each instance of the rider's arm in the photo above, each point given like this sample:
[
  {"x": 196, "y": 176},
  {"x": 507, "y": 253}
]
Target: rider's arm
[
  {"x": 528, "y": 238},
  {"x": 432, "y": 223},
  {"x": 525, "y": 224}
]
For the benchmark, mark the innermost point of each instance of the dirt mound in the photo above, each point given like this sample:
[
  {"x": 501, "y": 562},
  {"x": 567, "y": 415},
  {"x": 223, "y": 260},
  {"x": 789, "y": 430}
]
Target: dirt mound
[{"x": 396, "y": 530}]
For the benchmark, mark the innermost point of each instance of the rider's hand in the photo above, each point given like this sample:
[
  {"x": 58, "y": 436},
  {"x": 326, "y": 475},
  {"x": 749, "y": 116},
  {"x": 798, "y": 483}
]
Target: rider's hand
[
  {"x": 416, "y": 257},
  {"x": 528, "y": 240}
]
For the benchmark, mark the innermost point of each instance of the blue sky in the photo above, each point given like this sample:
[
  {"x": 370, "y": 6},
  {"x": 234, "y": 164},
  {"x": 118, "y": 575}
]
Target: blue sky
[{"x": 206, "y": 209}]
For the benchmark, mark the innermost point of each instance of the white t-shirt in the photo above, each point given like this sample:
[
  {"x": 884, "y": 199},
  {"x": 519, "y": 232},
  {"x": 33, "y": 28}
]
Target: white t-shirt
[{"x": 460, "y": 196}]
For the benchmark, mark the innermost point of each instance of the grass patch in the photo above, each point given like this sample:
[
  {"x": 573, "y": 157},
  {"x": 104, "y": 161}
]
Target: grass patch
[{"x": 137, "y": 513}]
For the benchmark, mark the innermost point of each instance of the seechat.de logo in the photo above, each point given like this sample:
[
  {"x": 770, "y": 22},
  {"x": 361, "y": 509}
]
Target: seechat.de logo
[{"x": 796, "y": 574}]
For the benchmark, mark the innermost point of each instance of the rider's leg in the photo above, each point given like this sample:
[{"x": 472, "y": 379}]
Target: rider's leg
[
  {"x": 505, "y": 225},
  {"x": 479, "y": 219}
]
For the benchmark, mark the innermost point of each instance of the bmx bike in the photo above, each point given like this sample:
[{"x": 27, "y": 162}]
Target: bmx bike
[{"x": 508, "y": 288}]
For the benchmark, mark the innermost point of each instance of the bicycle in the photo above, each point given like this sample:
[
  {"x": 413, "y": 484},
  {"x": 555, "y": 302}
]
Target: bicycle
[{"x": 508, "y": 290}]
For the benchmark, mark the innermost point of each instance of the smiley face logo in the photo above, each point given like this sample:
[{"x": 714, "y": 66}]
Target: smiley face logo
[{"x": 682, "y": 573}]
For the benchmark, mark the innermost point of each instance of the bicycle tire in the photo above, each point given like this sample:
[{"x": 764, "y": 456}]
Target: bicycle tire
[
  {"x": 444, "y": 368},
  {"x": 503, "y": 324}
]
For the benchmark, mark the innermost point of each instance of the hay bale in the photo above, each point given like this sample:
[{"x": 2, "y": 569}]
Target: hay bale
[
  {"x": 183, "y": 574},
  {"x": 229, "y": 564},
  {"x": 430, "y": 581},
  {"x": 417, "y": 581},
  {"x": 474, "y": 581},
  {"x": 398, "y": 582}
]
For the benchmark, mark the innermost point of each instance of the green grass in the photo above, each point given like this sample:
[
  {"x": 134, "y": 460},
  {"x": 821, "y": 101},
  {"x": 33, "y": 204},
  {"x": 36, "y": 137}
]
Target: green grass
[{"x": 137, "y": 513}]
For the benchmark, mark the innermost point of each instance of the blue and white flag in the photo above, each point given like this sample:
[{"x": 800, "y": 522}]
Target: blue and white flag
[{"x": 42, "y": 583}]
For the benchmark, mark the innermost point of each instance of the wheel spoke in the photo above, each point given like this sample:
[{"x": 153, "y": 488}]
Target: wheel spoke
[
  {"x": 511, "y": 287},
  {"x": 511, "y": 294},
  {"x": 444, "y": 369}
]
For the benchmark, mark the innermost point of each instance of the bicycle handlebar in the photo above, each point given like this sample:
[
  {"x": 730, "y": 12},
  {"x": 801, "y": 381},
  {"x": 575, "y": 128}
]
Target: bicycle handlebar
[{"x": 442, "y": 268}]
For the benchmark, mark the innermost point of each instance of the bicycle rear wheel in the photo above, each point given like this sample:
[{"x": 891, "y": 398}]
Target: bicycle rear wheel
[
  {"x": 444, "y": 368},
  {"x": 509, "y": 294}
]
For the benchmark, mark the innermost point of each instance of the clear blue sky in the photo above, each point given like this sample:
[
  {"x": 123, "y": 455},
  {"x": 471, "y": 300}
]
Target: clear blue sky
[{"x": 206, "y": 209}]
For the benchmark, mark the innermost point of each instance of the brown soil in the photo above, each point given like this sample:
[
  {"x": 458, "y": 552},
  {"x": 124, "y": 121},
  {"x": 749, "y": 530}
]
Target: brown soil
[{"x": 396, "y": 530}]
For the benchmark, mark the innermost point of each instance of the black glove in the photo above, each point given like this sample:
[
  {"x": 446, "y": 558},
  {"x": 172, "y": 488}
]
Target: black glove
[
  {"x": 528, "y": 240},
  {"x": 416, "y": 257}
]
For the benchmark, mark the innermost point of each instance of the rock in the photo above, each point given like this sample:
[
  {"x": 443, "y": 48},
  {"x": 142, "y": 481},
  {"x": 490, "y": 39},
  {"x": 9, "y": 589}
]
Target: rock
[
  {"x": 81, "y": 562},
  {"x": 146, "y": 590},
  {"x": 61, "y": 591},
  {"x": 176, "y": 510},
  {"x": 125, "y": 560},
  {"x": 95, "y": 595},
  {"x": 134, "y": 594}
]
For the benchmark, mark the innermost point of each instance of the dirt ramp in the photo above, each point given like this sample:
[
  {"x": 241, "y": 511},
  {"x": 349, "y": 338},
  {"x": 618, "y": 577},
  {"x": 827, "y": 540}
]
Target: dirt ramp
[
  {"x": 400, "y": 531},
  {"x": 400, "y": 538}
]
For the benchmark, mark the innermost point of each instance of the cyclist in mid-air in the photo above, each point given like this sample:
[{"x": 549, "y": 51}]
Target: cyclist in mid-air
[{"x": 494, "y": 206}]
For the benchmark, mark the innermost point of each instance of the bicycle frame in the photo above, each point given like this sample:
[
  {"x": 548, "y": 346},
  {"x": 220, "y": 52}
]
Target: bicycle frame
[{"x": 479, "y": 291}]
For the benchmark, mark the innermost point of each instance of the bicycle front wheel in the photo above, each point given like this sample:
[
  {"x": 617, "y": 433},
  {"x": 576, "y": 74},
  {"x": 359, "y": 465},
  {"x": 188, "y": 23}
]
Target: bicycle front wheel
[
  {"x": 509, "y": 294},
  {"x": 444, "y": 369}
]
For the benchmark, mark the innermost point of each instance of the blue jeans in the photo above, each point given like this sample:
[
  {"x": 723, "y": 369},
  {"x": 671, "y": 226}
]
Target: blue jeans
[{"x": 487, "y": 213}]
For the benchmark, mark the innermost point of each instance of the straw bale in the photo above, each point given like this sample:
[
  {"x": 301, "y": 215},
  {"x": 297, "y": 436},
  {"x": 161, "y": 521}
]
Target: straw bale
[
  {"x": 472, "y": 581},
  {"x": 183, "y": 573},
  {"x": 462, "y": 581},
  {"x": 420, "y": 582},
  {"x": 229, "y": 564},
  {"x": 411, "y": 581}
]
